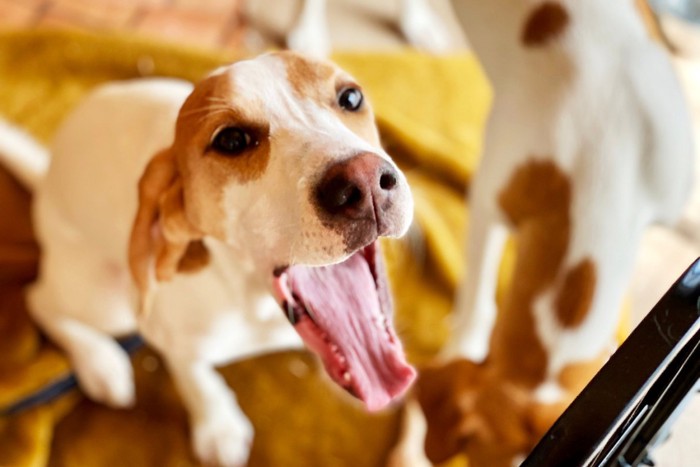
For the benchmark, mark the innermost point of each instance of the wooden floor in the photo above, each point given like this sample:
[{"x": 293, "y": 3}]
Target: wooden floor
[{"x": 205, "y": 23}]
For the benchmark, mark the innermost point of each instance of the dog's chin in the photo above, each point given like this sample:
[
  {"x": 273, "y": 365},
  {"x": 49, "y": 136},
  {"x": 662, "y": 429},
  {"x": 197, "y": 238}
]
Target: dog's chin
[{"x": 343, "y": 312}]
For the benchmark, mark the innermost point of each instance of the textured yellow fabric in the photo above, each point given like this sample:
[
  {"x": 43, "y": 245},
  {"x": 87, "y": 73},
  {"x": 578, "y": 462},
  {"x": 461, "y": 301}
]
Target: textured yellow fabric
[{"x": 430, "y": 111}]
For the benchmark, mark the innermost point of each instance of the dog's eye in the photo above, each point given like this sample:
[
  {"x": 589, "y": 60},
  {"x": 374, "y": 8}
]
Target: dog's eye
[
  {"x": 350, "y": 99},
  {"x": 232, "y": 141}
]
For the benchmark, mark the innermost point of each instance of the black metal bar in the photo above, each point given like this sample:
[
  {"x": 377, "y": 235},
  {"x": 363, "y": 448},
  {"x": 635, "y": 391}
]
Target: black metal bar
[{"x": 619, "y": 415}]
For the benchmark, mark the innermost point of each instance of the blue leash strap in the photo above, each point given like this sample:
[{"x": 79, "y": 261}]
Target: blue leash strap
[{"x": 63, "y": 384}]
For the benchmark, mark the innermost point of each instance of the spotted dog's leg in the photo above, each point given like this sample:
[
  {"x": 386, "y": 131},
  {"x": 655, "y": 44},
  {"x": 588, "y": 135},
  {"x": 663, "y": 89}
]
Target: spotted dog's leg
[{"x": 475, "y": 308}]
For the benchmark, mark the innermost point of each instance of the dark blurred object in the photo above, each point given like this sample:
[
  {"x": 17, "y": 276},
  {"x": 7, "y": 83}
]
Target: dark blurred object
[{"x": 630, "y": 405}]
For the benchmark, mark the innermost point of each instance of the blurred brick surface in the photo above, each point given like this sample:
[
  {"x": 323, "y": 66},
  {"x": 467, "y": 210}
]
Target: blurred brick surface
[
  {"x": 16, "y": 13},
  {"x": 109, "y": 14},
  {"x": 219, "y": 6},
  {"x": 188, "y": 25},
  {"x": 204, "y": 23}
]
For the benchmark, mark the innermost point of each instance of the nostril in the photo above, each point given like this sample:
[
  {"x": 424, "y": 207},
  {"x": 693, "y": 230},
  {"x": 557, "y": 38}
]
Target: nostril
[
  {"x": 348, "y": 196},
  {"x": 338, "y": 194},
  {"x": 387, "y": 181}
]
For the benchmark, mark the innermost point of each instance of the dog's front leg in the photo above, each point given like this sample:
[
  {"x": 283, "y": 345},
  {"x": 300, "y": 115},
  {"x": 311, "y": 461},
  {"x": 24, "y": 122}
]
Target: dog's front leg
[
  {"x": 409, "y": 451},
  {"x": 221, "y": 433},
  {"x": 475, "y": 304}
]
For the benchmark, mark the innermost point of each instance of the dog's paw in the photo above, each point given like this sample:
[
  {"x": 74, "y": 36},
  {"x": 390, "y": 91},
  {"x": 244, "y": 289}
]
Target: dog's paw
[
  {"x": 223, "y": 441},
  {"x": 104, "y": 373}
]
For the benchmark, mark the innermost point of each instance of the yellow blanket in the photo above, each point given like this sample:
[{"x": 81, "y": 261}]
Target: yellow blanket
[{"x": 430, "y": 112}]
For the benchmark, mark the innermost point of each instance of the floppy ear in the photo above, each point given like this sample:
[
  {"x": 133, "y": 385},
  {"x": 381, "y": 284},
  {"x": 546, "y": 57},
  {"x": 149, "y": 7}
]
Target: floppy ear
[{"x": 161, "y": 232}]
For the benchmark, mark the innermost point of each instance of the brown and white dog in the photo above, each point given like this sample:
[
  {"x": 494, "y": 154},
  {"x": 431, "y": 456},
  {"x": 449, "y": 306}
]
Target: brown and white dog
[
  {"x": 587, "y": 143},
  {"x": 263, "y": 169}
]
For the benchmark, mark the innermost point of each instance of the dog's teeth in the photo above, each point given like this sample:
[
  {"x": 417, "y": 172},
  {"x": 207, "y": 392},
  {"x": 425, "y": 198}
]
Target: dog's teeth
[
  {"x": 291, "y": 314},
  {"x": 334, "y": 347},
  {"x": 347, "y": 377},
  {"x": 310, "y": 312}
]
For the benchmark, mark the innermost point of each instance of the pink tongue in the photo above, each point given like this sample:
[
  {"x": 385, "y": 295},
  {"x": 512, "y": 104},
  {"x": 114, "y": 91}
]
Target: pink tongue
[{"x": 347, "y": 312}]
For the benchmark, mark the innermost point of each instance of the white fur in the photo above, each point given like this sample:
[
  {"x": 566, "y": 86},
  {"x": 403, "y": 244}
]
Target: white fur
[
  {"x": 22, "y": 155},
  {"x": 84, "y": 210}
]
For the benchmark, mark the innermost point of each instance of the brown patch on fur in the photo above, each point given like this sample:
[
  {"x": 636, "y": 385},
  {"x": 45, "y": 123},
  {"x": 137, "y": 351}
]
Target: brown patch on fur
[
  {"x": 542, "y": 416},
  {"x": 575, "y": 376},
  {"x": 307, "y": 77},
  {"x": 488, "y": 411},
  {"x": 154, "y": 253},
  {"x": 546, "y": 22},
  {"x": 195, "y": 258},
  {"x": 576, "y": 294},
  {"x": 469, "y": 410},
  {"x": 439, "y": 391},
  {"x": 251, "y": 164},
  {"x": 536, "y": 200},
  {"x": 321, "y": 82},
  {"x": 196, "y": 125}
]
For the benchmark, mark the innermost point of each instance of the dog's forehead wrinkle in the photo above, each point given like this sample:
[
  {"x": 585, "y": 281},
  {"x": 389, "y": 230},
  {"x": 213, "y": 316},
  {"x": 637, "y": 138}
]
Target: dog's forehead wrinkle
[
  {"x": 264, "y": 90},
  {"x": 323, "y": 127}
]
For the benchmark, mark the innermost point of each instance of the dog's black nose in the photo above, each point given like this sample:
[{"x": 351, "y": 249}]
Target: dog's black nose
[{"x": 358, "y": 188}]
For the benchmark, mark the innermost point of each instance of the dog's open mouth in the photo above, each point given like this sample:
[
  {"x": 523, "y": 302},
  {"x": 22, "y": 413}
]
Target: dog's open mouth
[{"x": 343, "y": 313}]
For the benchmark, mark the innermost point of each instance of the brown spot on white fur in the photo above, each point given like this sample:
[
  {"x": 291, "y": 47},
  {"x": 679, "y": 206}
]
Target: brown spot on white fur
[
  {"x": 184, "y": 184},
  {"x": 213, "y": 106},
  {"x": 195, "y": 258},
  {"x": 161, "y": 232},
  {"x": 576, "y": 294},
  {"x": 575, "y": 376},
  {"x": 488, "y": 411},
  {"x": 321, "y": 82},
  {"x": 470, "y": 410},
  {"x": 544, "y": 24},
  {"x": 308, "y": 78},
  {"x": 536, "y": 200}
]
